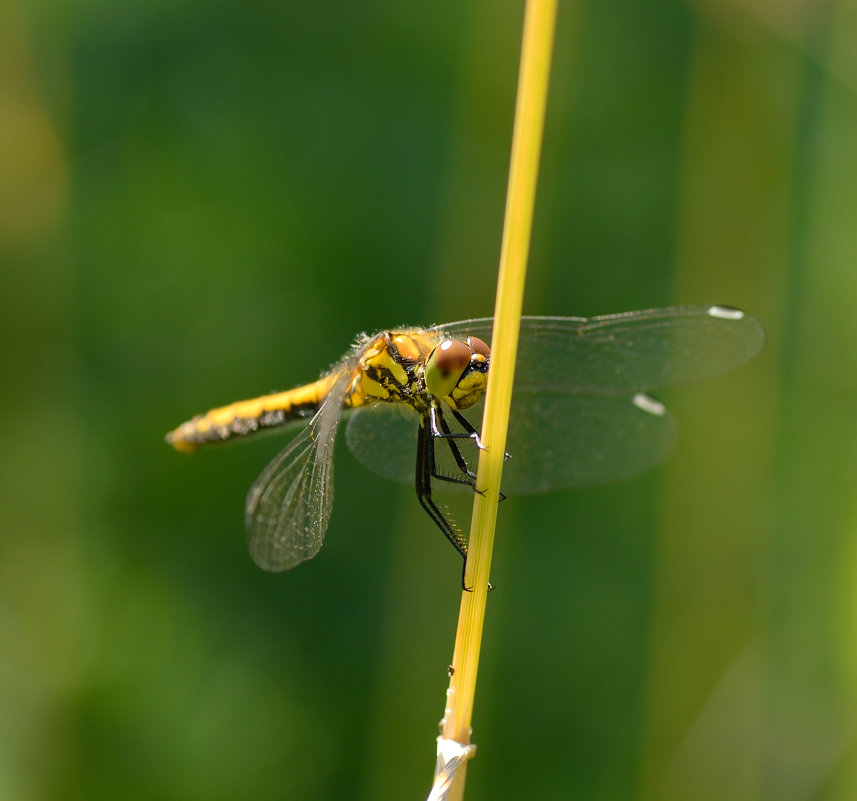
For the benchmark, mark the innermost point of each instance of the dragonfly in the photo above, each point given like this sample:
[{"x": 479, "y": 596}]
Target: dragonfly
[{"x": 581, "y": 413}]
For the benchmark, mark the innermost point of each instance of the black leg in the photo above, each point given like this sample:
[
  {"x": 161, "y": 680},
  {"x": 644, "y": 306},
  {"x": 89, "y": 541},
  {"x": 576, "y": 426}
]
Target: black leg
[
  {"x": 472, "y": 432},
  {"x": 425, "y": 463},
  {"x": 433, "y": 426},
  {"x": 465, "y": 424},
  {"x": 439, "y": 429}
]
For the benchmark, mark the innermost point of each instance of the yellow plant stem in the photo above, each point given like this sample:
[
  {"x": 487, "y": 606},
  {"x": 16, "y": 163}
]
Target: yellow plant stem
[{"x": 539, "y": 23}]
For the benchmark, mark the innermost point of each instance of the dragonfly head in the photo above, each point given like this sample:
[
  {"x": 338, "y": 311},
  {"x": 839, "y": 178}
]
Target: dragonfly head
[{"x": 458, "y": 371}]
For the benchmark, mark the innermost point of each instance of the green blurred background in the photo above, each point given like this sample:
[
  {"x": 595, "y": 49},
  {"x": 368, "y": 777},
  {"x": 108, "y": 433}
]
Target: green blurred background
[{"x": 205, "y": 201}]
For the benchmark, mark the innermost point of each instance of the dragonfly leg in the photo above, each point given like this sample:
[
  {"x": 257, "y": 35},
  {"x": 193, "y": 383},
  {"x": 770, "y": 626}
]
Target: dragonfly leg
[
  {"x": 424, "y": 473},
  {"x": 465, "y": 424},
  {"x": 472, "y": 432},
  {"x": 425, "y": 466},
  {"x": 439, "y": 429}
]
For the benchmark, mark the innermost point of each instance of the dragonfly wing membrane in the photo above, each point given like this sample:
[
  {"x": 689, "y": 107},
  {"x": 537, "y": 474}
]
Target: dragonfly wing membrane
[
  {"x": 556, "y": 441},
  {"x": 288, "y": 507},
  {"x": 580, "y": 416},
  {"x": 559, "y": 441},
  {"x": 621, "y": 354},
  {"x": 383, "y": 438}
]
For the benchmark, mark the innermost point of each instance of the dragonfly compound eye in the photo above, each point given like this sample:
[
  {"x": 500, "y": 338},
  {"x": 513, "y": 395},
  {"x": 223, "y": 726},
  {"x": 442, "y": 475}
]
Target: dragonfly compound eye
[
  {"x": 479, "y": 346},
  {"x": 445, "y": 365}
]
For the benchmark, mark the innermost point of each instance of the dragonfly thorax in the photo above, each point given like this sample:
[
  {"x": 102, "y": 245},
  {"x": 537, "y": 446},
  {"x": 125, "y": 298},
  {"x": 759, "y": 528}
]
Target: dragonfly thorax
[
  {"x": 413, "y": 368},
  {"x": 387, "y": 370}
]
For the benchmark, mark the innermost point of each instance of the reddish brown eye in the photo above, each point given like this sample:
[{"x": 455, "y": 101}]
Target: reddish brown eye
[
  {"x": 478, "y": 346},
  {"x": 445, "y": 366},
  {"x": 452, "y": 356}
]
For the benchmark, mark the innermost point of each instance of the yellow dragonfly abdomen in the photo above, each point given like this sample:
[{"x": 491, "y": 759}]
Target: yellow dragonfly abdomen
[{"x": 248, "y": 416}]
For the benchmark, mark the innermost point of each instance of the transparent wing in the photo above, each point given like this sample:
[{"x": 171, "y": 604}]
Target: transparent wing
[
  {"x": 383, "y": 437},
  {"x": 288, "y": 507},
  {"x": 556, "y": 441},
  {"x": 559, "y": 441},
  {"x": 622, "y": 354},
  {"x": 578, "y": 413}
]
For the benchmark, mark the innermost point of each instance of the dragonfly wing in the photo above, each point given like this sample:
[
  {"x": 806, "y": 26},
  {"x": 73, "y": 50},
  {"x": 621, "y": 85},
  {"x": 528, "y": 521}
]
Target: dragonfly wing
[
  {"x": 288, "y": 508},
  {"x": 579, "y": 413},
  {"x": 383, "y": 437},
  {"x": 621, "y": 354},
  {"x": 556, "y": 441},
  {"x": 559, "y": 441}
]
